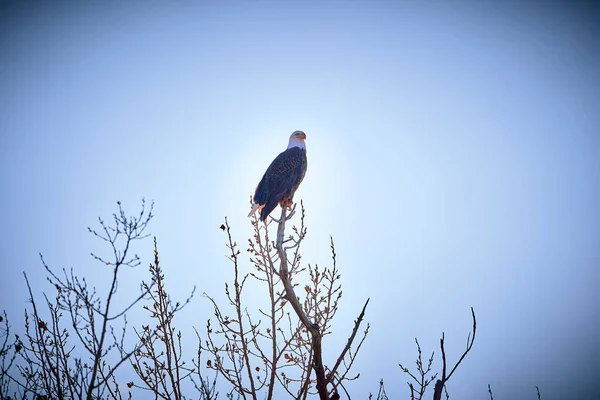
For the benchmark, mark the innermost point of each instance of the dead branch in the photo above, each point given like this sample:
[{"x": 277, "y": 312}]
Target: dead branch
[
  {"x": 420, "y": 378},
  {"x": 441, "y": 383},
  {"x": 313, "y": 328},
  {"x": 349, "y": 342}
]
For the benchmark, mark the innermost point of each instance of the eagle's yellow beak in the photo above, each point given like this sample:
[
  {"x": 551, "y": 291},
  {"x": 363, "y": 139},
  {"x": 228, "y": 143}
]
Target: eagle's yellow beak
[{"x": 301, "y": 135}]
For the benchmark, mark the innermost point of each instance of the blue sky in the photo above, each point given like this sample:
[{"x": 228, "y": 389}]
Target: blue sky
[{"x": 453, "y": 149}]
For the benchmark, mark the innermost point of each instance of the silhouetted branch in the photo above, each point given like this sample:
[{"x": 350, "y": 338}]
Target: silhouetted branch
[
  {"x": 158, "y": 358},
  {"x": 421, "y": 378},
  {"x": 51, "y": 368},
  {"x": 349, "y": 342},
  {"x": 440, "y": 383},
  {"x": 6, "y": 360},
  {"x": 381, "y": 394},
  {"x": 313, "y": 327}
]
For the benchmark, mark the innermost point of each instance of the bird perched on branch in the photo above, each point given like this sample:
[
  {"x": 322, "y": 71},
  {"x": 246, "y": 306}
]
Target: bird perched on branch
[{"x": 282, "y": 178}]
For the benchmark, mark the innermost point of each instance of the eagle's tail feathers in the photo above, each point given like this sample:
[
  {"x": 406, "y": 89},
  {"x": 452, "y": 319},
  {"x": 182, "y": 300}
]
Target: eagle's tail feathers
[
  {"x": 255, "y": 207},
  {"x": 266, "y": 210}
]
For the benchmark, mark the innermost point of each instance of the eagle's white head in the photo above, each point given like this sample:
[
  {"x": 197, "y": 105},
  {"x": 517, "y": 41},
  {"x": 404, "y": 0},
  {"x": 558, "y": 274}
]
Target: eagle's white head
[{"x": 297, "y": 140}]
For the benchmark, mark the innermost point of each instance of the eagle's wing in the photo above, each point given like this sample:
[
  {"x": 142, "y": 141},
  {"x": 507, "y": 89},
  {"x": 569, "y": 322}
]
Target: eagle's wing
[{"x": 280, "y": 181}]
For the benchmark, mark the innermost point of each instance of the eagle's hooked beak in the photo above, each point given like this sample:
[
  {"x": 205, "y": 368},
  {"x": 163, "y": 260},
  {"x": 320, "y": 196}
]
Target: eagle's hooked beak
[{"x": 301, "y": 135}]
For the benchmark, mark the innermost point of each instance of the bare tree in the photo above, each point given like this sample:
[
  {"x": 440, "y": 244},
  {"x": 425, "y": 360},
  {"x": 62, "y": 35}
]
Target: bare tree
[
  {"x": 420, "y": 381},
  {"x": 287, "y": 349},
  {"x": 158, "y": 361},
  {"x": 77, "y": 357},
  {"x": 75, "y": 341},
  {"x": 8, "y": 353}
]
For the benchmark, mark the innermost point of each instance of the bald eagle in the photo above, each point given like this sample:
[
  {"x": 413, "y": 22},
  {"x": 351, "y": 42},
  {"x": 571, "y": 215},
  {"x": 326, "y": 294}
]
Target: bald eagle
[{"x": 282, "y": 178}]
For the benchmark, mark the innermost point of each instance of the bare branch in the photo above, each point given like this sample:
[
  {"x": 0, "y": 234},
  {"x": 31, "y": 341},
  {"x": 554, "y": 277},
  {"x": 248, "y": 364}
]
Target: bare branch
[
  {"x": 441, "y": 383},
  {"x": 349, "y": 342}
]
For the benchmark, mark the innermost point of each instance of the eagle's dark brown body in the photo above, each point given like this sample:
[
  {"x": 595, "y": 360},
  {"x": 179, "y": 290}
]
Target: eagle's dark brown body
[{"x": 282, "y": 178}]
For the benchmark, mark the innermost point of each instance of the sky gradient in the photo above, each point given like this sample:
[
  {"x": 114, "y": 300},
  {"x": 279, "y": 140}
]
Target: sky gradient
[{"x": 453, "y": 155}]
